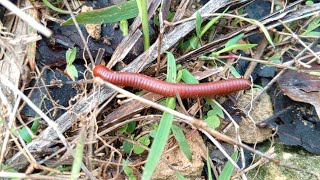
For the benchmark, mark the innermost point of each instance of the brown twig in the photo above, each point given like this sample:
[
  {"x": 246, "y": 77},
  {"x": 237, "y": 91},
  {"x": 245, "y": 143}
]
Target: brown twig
[{"x": 260, "y": 49}]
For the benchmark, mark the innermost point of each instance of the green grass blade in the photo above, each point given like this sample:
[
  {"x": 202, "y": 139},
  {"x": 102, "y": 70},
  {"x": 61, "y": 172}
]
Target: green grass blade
[
  {"x": 182, "y": 141},
  {"x": 49, "y": 5},
  {"x": 209, "y": 166},
  {"x": 198, "y": 24},
  {"x": 159, "y": 141},
  {"x": 236, "y": 46},
  {"x": 76, "y": 165},
  {"x": 164, "y": 128},
  {"x": 211, "y": 23},
  {"x": 172, "y": 68},
  {"x": 264, "y": 30},
  {"x": 228, "y": 168},
  {"x": 143, "y": 11},
  {"x": 126, "y": 10},
  {"x": 234, "y": 40}
]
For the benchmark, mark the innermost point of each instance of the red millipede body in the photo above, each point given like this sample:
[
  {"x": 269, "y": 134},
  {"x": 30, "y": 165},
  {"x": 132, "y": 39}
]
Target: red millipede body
[{"x": 141, "y": 81}]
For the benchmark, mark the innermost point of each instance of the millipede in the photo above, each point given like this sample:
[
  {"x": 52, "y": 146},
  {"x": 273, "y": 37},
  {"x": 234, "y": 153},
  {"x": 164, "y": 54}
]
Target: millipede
[{"x": 164, "y": 88}]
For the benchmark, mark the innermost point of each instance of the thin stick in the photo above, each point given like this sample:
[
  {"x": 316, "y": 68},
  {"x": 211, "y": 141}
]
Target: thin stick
[
  {"x": 25, "y": 17},
  {"x": 260, "y": 49}
]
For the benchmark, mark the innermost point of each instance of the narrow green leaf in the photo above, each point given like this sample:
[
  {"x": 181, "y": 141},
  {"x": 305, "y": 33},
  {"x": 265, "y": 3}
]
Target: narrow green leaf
[
  {"x": 211, "y": 23},
  {"x": 228, "y": 168},
  {"x": 116, "y": 13},
  {"x": 264, "y": 30},
  {"x": 232, "y": 69},
  {"x": 216, "y": 109},
  {"x": 209, "y": 166},
  {"x": 182, "y": 141},
  {"x": 35, "y": 126},
  {"x": 198, "y": 24},
  {"x": 49, "y": 5},
  {"x": 78, "y": 155},
  {"x": 24, "y": 133},
  {"x": 188, "y": 78},
  {"x": 314, "y": 24},
  {"x": 193, "y": 43},
  {"x": 172, "y": 69},
  {"x": 159, "y": 141},
  {"x": 143, "y": 11},
  {"x": 314, "y": 73},
  {"x": 275, "y": 58},
  {"x": 179, "y": 75},
  {"x": 236, "y": 46},
  {"x": 234, "y": 72},
  {"x": 234, "y": 40},
  {"x": 313, "y": 33}
]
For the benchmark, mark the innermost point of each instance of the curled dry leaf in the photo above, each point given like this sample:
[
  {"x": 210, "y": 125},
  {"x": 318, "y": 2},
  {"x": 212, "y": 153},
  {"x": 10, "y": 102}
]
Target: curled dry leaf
[{"x": 302, "y": 87}]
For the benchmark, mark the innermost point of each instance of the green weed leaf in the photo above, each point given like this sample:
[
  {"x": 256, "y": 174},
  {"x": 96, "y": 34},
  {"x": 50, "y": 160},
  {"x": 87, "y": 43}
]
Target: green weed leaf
[
  {"x": 127, "y": 147},
  {"x": 71, "y": 55},
  {"x": 234, "y": 72},
  {"x": 128, "y": 171},
  {"x": 188, "y": 78},
  {"x": 182, "y": 141},
  {"x": 228, "y": 168},
  {"x": 213, "y": 121},
  {"x": 123, "y": 129},
  {"x": 72, "y": 71},
  {"x": 144, "y": 140}
]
